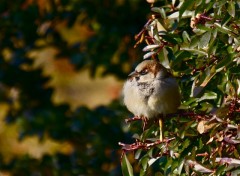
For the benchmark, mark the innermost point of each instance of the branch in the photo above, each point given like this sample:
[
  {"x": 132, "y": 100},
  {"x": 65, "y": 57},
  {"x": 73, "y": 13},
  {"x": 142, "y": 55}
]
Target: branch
[
  {"x": 180, "y": 114},
  {"x": 143, "y": 145}
]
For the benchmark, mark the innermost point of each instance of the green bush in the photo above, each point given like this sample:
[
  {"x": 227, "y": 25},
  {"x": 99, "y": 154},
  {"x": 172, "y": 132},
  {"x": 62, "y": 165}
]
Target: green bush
[{"x": 199, "y": 41}]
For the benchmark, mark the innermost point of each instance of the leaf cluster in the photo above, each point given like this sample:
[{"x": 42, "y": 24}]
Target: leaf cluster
[{"x": 199, "y": 42}]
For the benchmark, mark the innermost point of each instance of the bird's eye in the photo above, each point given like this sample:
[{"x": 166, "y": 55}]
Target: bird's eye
[{"x": 144, "y": 72}]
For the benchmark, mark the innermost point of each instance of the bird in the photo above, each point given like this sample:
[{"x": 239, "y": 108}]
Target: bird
[{"x": 151, "y": 91}]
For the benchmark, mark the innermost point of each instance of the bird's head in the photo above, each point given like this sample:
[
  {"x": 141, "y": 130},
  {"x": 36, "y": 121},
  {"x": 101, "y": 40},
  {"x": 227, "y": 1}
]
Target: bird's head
[{"x": 148, "y": 71}]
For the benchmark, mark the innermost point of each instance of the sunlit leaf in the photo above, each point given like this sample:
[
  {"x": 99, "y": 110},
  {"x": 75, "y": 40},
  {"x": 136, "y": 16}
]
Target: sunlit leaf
[
  {"x": 195, "y": 51},
  {"x": 208, "y": 96},
  {"x": 127, "y": 169},
  {"x": 186, "y": 37},
  {"x": 220, "y": 169},
  {"x": 163, "y": 57},
  {"x": 185, "y": 6},
  {"x": 204, "y": 40},
  {"x": 149, "y": 54},
  {"x": 194, "y": 42},
  {"x": 160, "y": 11},
  {"x": 231, "y": 140},
  {"x": 155, "y": 9},
  {"x": 170, "y": 39},
  {"x": 180, "y": 167},
  {"x": 198, "y": 167},
  {"x": 235, "y": 172},
  {"x": 231, "y": 8},
  {"x": 200, "y": 127},
  {"x": 222, "y": 29},
  {"x": 138, "y": 154},
  {"x": 223, "y": 63},
  {"x": 212, "y": 47},
  {"x": 197, "y": 89},
  {"x": 229, "y": 161},
  {"x": 204, "y": 126},
  {"x": 150, "y": 47},
  {"x": 152, "y": 160},
  {"x": 144, "y": 162}
]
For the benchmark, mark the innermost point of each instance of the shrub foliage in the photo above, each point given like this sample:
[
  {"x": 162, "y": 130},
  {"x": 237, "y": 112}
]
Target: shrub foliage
[{"x": 199, "y": 41}]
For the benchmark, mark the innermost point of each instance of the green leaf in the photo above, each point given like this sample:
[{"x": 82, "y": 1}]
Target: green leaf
[
  {"x": 220, "y": 169},
  {"x": 127, "y": 169},
  {"x": 235, "y": 172},
  {"x": 170, "y": 39},
  {"x": 185, "y": 144},
  {"x": 138, "y": 154},
  {"x": 180, "y": 166},
  {"x": 222, "y": 29},
  {"x": 235, "y": 70},
  {"x": 144, "y": 162},
  {"x": 160, "y": 11},
  {"x": 231, "y": 8},
  {"x": 142, "y": 172},
  {"x": 186, "y": 14},
  {"x": 200, "y": 143},
  {"x": 206, "y": 107},
  {"x": 209, "y": 4},
  {"x": 195, "y": 51},
  {"x": 189, "y": 102},
  {"x": 171, "y": 55},
  {"x": 174, "y": 15},
  {"x": 181, "y": 55},
  {"x": 208, "y": 95},
  {"x": 226, "y": 19},
  {"x": 223, "y": 63},
  {"x": 203, "y": 28},
  {"x": 156, "y": 9},
  {"x": 149, "y": 54},
  {"x": 187, "y": 4},
  {"x": 150, "y": 153},
  {"x": 201, "y": 82},
  {"x": 194, "y": 42},
  {"x": 150, "y": 47},
  {"x": 186, "y": 37},
  {"x": 214, "y": 33},
  {"x": 174, "y": 165},
  {"x": 167, "y": 166},
  {"x": 152, "y": 160},
  {"x": 212, "y": 47},
  {"x": 204, "y": 41},
  {"x": 198, "y": 167},
  {"x": 163, "y": 57}
]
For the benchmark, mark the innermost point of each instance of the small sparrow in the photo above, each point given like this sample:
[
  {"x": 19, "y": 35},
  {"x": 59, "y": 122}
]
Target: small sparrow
[{"x": 150, "y": 91}]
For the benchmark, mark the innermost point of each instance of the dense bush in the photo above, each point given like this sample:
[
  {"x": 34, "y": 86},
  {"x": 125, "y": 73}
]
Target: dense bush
[{"x": 199, "y": 41}]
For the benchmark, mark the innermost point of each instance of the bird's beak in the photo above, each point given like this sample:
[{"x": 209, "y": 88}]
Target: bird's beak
[{"x": 133, "y": 74}]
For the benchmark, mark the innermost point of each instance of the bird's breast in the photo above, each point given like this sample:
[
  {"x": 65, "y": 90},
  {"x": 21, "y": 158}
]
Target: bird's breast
[{"x": 136, "y": 97}]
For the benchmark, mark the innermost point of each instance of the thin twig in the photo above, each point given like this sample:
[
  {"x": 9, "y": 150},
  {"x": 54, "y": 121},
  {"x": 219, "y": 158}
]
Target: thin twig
[{"x": 143, "y": 145}]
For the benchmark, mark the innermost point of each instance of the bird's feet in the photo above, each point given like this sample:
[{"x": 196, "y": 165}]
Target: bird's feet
[
  {"x": 145, "y": 121},
  {"x": 160, "y": 129},
  {"x": 135, "y": 118}
]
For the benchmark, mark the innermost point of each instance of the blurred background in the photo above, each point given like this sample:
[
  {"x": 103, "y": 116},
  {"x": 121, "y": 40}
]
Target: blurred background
[{"x": 62, "y": 66}]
